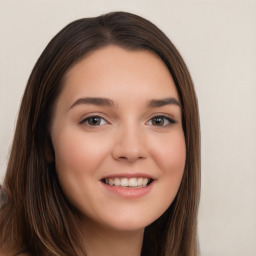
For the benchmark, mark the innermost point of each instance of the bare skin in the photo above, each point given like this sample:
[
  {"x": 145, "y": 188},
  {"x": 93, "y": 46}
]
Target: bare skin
[{"x": 107, "y": 242}]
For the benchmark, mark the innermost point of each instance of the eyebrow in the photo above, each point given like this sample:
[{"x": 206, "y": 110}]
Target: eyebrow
[
  {"x": 94, "y": 101},
  {"x": 154, "y": 103}
]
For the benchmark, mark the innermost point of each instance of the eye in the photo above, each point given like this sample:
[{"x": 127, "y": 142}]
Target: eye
[
  {"x": 161, "y": 121},
  {"x": 94, "y": 121}
]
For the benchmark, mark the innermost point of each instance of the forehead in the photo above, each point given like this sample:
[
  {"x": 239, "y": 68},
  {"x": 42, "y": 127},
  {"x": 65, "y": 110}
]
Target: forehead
[{"x": 111, "y": 70}]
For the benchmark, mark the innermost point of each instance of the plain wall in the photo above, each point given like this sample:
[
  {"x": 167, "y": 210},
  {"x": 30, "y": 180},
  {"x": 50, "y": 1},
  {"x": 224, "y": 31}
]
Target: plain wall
[{"x": 218, "y": 42}]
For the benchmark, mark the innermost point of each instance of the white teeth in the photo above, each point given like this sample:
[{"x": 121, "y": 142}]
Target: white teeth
[
  {"x": 145, "y": 182},
  {"x": 124, "y": 182},
  {"x": 127, "y": 182},
  {"x": 140, "y": 181},
  {"x": 133, "y": 182},
  {"x": 117, "y": 182}
]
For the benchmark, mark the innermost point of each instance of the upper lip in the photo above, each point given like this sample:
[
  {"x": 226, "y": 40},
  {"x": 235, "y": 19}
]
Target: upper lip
[{"x": 128, "y": 175}]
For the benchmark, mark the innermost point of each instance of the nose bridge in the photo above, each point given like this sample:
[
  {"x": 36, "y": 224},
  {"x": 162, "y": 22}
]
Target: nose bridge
[{"x": 130, "y": 142}]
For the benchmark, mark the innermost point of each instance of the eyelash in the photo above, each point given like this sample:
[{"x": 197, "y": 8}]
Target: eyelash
[
  {"x": 86, "y": 120},
  {"x": 167, "y": 118}
]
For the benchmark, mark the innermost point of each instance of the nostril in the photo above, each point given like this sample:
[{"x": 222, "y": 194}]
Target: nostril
[{"x": 130, "y": 149}]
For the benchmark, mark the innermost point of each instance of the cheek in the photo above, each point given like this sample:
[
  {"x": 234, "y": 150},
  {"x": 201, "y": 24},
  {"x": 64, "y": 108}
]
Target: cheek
[
  {"x": 170, "y": 158},
  {"x": 77, "y": 158},
  {"x": 78, "y": 153},
  {"x": 170, "y": 154}
]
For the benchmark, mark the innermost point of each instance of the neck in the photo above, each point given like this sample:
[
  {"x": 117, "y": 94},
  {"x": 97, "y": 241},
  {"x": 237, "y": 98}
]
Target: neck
[{"x": 103, "y": 241}]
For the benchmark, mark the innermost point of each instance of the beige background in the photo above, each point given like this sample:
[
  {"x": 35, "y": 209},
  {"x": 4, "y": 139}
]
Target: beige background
[{"x": 218, "y": 42}]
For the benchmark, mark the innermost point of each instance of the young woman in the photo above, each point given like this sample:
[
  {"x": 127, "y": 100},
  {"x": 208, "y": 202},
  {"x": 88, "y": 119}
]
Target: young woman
[{"x": 106, "y": 154}]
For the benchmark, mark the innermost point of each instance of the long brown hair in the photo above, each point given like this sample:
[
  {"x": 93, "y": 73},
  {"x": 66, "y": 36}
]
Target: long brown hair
[{"x": 36, "y": 216}]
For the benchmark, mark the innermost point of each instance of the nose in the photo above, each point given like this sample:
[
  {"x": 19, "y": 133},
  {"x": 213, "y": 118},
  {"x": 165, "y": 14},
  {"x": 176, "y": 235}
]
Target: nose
[{"x": 130, "y": 144}]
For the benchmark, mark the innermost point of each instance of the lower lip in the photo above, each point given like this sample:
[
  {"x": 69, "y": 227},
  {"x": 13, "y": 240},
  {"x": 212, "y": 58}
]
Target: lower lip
[{"x": 129, "y": 192}]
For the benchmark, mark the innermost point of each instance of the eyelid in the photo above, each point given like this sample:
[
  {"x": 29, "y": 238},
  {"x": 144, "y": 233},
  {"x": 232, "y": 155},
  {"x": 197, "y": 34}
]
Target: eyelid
[
  {"x": 94, "y": 114},
  {"x": 170, "y": 118}
]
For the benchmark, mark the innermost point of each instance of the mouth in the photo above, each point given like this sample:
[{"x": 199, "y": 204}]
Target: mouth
[{"x": 133, "y": 182}]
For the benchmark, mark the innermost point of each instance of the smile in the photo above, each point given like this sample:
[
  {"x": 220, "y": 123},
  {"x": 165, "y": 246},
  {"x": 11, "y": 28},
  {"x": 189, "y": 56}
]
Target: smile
[{"x": 134, "y": 182}]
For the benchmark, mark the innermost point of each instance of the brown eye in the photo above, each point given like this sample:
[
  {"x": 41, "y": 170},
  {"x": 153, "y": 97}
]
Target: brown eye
[
  {"x": 94, "y": 121},
  {"x": 161, "y": 121}
]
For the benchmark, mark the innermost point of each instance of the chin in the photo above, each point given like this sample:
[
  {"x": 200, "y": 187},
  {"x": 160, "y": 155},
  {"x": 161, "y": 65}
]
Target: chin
[
  {"x": 130, "y": 221},
  {"x": 128, "y": 227}
]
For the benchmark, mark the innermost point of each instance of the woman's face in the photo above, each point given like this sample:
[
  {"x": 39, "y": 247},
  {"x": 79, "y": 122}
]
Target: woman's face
[{"x": 118, "y": 138}]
